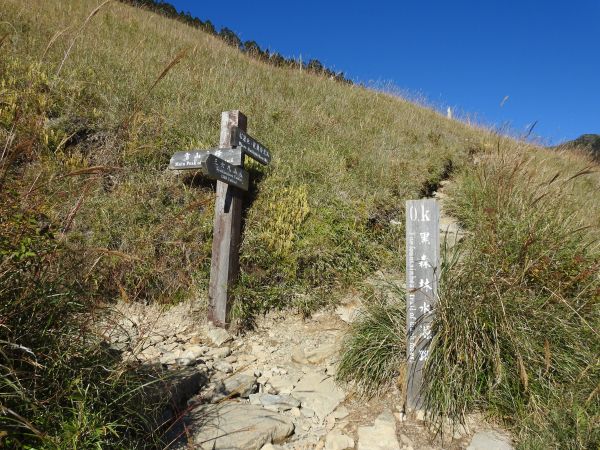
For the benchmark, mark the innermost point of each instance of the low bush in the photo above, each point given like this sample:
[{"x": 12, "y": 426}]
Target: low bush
[
  {"x": 374, "y": 349},
  {"x": 516, "y": 327}
]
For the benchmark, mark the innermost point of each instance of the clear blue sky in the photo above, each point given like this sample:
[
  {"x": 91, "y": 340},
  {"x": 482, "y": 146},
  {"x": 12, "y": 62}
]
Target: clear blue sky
[{"x": 470, "y": 55}]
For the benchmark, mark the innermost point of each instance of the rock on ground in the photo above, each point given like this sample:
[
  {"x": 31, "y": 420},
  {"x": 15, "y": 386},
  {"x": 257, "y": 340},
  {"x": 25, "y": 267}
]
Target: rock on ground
[
  {"x": 234, "y": 425},
  {"x": 490, "y": 440},
  {"x": 336, "y": 440},
  {"x": 319, "y": 393},
  {"x": 381, "y": 436}
]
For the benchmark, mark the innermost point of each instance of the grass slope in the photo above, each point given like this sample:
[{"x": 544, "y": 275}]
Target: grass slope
[{"x": 95, "y": 97}]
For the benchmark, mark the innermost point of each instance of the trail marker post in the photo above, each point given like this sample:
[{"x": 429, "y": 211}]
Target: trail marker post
[
  {"x": 226, "y": 165},
  {"x": 422, "y": 272}
]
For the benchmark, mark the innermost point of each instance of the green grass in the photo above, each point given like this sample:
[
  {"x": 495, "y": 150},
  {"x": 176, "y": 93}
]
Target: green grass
[
  {"x": 374, "y": 349},
  {"x": 93, "y": 102},
  {"x": 357, "y": 154}
]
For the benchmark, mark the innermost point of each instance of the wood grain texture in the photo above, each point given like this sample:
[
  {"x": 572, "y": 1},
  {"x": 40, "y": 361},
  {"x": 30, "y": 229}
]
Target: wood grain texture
[{"x": 224, "y": 267}]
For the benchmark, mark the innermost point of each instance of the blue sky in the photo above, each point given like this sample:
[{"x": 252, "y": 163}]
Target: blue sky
[{"x": 470, "y": 55}]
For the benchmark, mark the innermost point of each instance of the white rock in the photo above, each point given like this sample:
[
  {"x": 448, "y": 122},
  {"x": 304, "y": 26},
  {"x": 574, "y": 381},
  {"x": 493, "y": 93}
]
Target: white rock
[
  {"x": 348, "y": 313},
  {"x": 218, "y": 336},
  {"x": 320, "y": 354},
  {"x": 307, "y": 412},
  {"x": 223, "y": 366},
  {"x": 336, "y": 440},
  {"x": 319, "y": 393},
  {"x": 341, "y": 412},
  {"x": 219, "y": 353},
  {"x": 233, "y": 425},
  {"x": 275, "y": 402},
  {"x": 381, "y": 436},
  {"x": 405, "y": 439},
  {"x": 490, "y": 440},
  {"x": 185, "y": 362},
  {"x": 284, "y": 384}
]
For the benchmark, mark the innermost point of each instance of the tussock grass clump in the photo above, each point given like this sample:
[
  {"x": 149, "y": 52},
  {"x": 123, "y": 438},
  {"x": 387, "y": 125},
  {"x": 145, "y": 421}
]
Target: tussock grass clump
[
  {"x": 516, "y": 330},
  {"x": 374, "y": 349}
]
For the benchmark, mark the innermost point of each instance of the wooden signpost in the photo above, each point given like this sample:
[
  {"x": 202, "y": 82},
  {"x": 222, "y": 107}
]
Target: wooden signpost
[
  {"x": 226, "y": 165},
  {"x": 422, "y": 272},
  {"x": 251, "y": 146}
]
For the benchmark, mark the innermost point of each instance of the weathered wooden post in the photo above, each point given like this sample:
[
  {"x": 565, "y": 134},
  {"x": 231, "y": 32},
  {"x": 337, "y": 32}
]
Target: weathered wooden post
[
  {"x": 422, "y": 272},
  {"x": 226, "y": 165},
  {"x": 224, "y": 267}
]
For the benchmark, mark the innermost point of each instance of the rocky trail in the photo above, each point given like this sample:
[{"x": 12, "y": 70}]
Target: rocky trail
[{"x": 274, "y": 387}]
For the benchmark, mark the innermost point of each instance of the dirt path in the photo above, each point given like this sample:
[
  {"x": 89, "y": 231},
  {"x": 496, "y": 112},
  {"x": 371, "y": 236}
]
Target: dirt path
[{"x": 273, "y": 387}]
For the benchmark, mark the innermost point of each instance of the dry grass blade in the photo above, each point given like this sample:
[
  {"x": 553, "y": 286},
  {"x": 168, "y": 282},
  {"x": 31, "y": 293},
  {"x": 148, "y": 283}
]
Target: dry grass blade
[
  {"x": 3, "y": 38},
  {"x": 115, "y": 253},
  {"x": 585, "y": 171},
  {"x": 85, "y": 22},
  {"x": 53, "y": 39},
  {"x": 93, "y": 170},
  {"x": 547, "y": 355},
  {"x": 176, "y": 60}
]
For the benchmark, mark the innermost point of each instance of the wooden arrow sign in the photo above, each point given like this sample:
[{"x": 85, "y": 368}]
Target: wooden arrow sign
[
  {"x": 196, "y": 159},
  {"x": 251, "y": 146},
  {"x": 227, "y": 173}
]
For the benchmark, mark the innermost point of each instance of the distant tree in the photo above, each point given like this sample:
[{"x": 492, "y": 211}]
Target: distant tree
[
  {"x": 230, "y": 37},
  {"x": 276, "y": 59},
  {"x": 209, "y": 27},
  {"x": 252, "y": 48},
  {"x": 314, "y": 65}
]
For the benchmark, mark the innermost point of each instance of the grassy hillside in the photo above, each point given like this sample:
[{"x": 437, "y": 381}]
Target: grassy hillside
[{"x": 94, "y": 99}]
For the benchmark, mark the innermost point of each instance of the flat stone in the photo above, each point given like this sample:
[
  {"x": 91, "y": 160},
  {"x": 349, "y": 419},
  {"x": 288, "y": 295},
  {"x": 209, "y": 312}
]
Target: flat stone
[
  {"x": 490, "y": 440},
  {"x": 307, "y": 412},
  {"x": 284, "y": 384},
  {"x": 275, "y": 402},
  {"x": 218, "y": 336},
  {"x": 381, "y": 436},
  {"x": 319, "y": 393},
  {"x": 405, "y": 440},
  {"x": 194, "y": 352},
  {"x": 219, "y": 353},
  {"x": 169, "y": 358},
  {"x": 348, "y": 313},
  {"x": 241, "y": 384},
  {"x": 233, "y": 425},
  {"x": 223, "y": 366},
  {"x": 336, "y": 440},
  {"x": 298, "y": 356},
  {"x": 320, "y": 354},
  {"x": 341, "y": 412},
  {"x": 185, "y": 362}
]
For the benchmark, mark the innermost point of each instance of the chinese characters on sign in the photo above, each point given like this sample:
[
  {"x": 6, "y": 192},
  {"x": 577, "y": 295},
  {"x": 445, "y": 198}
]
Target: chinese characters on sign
[
  {"x": 422, "y": 265},
  {"x": 251, "y": 146},
  {"x": 227, "y": 173}
]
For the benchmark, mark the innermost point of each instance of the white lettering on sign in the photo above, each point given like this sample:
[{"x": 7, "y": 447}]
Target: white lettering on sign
[
  {"x": 414, "y": 215},
  {"x": 422, "y": 254}
]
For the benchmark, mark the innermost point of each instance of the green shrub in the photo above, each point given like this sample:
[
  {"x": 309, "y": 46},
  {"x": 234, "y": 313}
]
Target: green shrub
[
  {"x": 516, "y": 328},
  {"x": 374, "y": 349}
]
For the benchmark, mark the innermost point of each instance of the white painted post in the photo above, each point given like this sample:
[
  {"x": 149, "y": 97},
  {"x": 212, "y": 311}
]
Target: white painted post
[{"x": 422, "y": 272}]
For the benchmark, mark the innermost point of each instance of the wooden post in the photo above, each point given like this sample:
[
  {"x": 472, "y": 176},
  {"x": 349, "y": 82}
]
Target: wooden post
[
  {"x": 224, "y": 267},
  {"x": 422, "y": 272}
]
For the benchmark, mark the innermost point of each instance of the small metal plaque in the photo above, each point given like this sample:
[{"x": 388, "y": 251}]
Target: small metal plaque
[
  {"x": 251, "y": 146},
  {"x": 196, "y": 159},
  {"x": 227, "y": 173}
]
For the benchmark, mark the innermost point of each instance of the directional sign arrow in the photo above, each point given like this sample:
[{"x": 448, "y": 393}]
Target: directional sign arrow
[
  {"x": 227, "y": 173},
  {"x": 251, "y": 146},
  {"x": 196, "y": 159}
]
